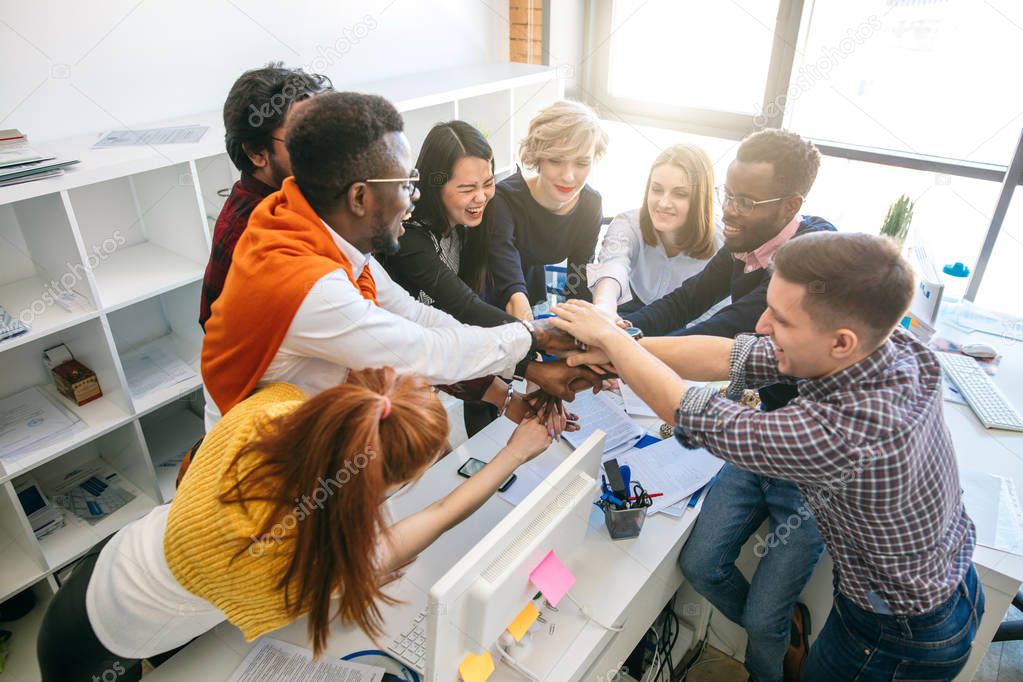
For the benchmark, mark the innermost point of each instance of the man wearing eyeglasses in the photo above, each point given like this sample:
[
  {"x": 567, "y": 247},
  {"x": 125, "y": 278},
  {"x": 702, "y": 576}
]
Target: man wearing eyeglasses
[
  {"x": 304, "y": 301},
  {"x": 761, "y": 200}
]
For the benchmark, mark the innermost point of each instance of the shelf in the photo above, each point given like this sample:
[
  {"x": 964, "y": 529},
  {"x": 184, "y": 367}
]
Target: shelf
[
  {"x": 24, "y": 295},
  {"x": 100, "y": 417},
  {"x": 169, "y": 433},
  {"x": 22, "y": 663},
  {"x": 135, "y": 273},
  {"x": 17, "y": 569},
  {"x": 77, "y": 537}
]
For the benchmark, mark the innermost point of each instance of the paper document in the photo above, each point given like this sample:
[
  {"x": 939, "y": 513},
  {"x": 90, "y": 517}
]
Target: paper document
[
  {"x": 150, "y": 136},
  {"x": 152, "y": 366},
  {"x": 601, "y": 412},
  {"x": 31, "y": 418},
  {"x": 274, "y": 661},
  {"x": 993, "y": 505},
  {"x": 634, "y": 405},
  {"x": 973, "y": 318},
  {"x": 670, "y": 469}
]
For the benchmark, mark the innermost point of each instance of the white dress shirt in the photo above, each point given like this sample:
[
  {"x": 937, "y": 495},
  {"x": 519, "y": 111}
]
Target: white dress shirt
[
  {"x": 336, "y": 329},
  {"x": 627, "y": 259}
]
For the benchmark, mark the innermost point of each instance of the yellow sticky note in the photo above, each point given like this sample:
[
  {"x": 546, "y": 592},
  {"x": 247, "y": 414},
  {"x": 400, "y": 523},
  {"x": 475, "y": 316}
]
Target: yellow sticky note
[
  {"x": 522, "y": 621},
  {"x": 475, "y": 668}
]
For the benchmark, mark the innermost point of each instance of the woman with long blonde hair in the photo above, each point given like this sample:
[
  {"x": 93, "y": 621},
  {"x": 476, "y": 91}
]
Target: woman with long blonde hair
[{"x": 649, "y": 251}]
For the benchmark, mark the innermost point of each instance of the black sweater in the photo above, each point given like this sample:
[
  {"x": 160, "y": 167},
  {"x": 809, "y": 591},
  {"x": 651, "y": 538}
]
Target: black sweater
[
  {"x": 723, "y": 276},
  {"x": 418, "y": 268},
  {"x": 521, "y": 237}
]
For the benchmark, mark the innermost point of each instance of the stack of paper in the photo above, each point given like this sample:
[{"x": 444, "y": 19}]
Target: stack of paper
[
  {"x": 150, "y": 136},
  {"x": 272, "y": 660},
  {"x": 21, "y": 163},
  {"x": 10, "y": 327},
  {"x": 152, "y": 366},
  {"x": 31, "y": 419},
  {"x": 601, "y": 412},
  {"x": 670, "y": 469}
]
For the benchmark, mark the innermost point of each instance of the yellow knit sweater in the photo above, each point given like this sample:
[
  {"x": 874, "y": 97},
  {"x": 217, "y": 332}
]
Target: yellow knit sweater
[{"x": 204, "y": 536}]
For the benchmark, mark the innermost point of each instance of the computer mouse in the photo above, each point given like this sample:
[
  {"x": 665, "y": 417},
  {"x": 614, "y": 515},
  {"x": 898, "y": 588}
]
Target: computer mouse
[{"x": 980, "y": 350}]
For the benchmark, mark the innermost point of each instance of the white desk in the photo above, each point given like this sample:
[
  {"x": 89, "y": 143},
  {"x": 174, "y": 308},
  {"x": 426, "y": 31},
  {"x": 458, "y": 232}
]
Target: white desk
[
  {"x": 995, "y": 452},
  {"x": 616, "y": 580},
  {"x": 632, "y": 578}
]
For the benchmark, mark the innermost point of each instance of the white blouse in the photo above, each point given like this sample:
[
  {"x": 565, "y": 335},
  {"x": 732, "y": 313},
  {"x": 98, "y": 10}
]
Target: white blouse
[{"x": 639, "y": 267}]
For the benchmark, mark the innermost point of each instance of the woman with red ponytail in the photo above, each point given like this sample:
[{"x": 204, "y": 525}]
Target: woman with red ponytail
[{"x": 281, "y": 515}]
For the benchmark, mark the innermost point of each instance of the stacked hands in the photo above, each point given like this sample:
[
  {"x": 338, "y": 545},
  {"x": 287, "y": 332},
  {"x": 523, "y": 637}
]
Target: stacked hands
[{"x": 577, "y": 370}]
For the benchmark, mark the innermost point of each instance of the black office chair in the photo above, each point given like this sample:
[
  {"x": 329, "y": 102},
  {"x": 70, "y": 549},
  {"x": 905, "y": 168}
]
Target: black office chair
[{"x": 1011, "y": 630}]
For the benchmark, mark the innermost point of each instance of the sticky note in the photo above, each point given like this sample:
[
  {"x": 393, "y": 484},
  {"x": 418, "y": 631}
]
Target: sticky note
[
  {"x": 552, "y": 578},
  {"x": 475, "y": 668},
  {"x": 526, "y": 617}
]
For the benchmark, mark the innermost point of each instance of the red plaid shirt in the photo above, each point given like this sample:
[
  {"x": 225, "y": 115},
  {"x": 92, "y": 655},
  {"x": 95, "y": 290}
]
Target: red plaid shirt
[
  {"x": 870, "y": 451},
  {"x": 231, "y": 222}
]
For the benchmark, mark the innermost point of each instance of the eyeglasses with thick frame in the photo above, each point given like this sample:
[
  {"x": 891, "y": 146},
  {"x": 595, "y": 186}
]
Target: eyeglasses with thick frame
[
  {"x": 410, "y": 182},
  {"x": 743, "y": 205}
]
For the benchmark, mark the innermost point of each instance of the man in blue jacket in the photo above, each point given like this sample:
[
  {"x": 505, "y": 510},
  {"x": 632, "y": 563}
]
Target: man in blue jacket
[{"x": 761, "y": 200}]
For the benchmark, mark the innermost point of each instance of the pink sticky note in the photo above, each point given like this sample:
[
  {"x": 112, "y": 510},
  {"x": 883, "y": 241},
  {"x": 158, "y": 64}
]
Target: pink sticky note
[{"x": 552, "y": 578}]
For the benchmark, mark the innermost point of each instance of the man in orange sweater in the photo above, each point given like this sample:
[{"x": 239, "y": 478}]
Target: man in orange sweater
[{"x": 305, "y": 301}]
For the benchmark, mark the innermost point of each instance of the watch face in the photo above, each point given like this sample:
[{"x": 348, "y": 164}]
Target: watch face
[{"x": 634, "y": 332}]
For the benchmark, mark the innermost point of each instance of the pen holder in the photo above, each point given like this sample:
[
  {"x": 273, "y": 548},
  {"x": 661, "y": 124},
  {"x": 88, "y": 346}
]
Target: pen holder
[{"x": 624, "y": 523}]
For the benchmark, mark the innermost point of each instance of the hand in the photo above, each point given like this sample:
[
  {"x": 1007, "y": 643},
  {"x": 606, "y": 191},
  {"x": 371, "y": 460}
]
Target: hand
[
  {"x": 551, "y": 411},
  {"x": 519, "y": 408},
  {"x": 560, "y": 379},
  {"x": 550, "y": 338},
  {"x": 583, "y": 321},
  {"x": 594, "y": 358},
  {"x": 529, "y": 439}
]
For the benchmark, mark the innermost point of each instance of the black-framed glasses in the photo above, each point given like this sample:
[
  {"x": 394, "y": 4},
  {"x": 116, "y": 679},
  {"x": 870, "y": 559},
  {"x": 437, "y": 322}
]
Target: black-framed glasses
[
  {"x": 742, "y": 205},
  {"x": 409, "y": 182}
]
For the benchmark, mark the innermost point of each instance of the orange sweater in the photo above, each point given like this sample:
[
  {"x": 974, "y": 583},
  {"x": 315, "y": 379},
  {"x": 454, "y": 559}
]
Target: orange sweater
[{"x": 283, "y": 252}]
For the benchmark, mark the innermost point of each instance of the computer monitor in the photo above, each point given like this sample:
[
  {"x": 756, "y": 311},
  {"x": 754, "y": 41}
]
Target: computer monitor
[
  {"x": 476, "y": 600},
  {"x": 929, "y": 287}
]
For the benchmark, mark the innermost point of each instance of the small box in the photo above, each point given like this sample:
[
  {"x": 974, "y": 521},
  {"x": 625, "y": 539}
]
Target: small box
[{"x": 76, "y": 382}]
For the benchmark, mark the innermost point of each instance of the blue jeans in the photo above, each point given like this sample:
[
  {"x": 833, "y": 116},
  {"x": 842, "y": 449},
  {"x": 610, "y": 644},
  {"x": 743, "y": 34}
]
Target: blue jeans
[
  {"x": 735, "y": 507},
  {"x": 862, "y": 645}
]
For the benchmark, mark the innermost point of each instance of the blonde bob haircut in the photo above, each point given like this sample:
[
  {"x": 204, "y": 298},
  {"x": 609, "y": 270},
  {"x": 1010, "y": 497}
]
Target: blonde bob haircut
[
  {"x": 564, "y": 130},
  {"x": 697, "y": 238}
]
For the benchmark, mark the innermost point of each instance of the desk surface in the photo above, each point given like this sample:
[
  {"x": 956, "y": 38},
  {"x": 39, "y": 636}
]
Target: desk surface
[
  {"x": 610, "y": 575},
  {"x": 990, "y": 450}
]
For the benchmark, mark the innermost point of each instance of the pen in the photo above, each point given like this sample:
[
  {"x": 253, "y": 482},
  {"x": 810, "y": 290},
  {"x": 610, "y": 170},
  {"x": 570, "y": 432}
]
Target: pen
[{"x": 651, "y": 495}]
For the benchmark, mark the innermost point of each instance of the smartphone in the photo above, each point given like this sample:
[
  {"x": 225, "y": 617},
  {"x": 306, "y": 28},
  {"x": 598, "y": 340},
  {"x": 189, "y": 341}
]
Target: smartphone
[{"x": 473, "y": 465}]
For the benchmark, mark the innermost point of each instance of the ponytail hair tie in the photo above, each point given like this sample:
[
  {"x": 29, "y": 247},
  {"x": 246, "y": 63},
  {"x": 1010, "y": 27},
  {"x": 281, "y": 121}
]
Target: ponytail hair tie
[{"x": 387, "y": 408}]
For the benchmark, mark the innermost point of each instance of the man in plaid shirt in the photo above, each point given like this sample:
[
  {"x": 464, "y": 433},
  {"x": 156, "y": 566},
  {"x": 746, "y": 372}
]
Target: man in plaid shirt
[{"x": 865, "y": 440}]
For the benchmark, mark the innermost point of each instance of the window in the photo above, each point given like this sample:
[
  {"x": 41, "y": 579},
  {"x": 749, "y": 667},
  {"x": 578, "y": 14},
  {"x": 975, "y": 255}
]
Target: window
[
  {"x": 660, "y": 54},
  {"x": 930, "y": 77},
  {"x": 912, "y": 97}
]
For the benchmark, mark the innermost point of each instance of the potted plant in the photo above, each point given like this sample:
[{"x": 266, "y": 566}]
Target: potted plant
[{"x": 896, "y": 223}]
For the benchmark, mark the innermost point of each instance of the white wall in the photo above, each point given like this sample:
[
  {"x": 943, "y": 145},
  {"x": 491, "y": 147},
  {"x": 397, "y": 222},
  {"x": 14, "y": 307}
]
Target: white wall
[{"x": 70, "y": 67}]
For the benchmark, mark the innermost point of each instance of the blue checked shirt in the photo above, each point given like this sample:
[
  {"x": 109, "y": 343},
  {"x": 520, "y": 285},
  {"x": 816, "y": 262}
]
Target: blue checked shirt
[{"x": 870, "y": 451}]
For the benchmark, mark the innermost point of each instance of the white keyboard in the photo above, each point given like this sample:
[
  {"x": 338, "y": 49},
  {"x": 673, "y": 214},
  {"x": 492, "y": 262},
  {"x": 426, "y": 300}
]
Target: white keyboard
[
  {"x": 410, "y": 645},
  {"x": 982, "y": 395}
]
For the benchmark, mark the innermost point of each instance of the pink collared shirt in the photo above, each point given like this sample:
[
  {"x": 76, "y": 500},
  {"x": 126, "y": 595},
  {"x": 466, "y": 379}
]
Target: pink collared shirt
[{"x": 760, "y": 258}]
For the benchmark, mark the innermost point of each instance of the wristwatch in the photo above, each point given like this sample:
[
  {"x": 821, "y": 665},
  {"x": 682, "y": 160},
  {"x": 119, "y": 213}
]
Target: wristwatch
[{"x": 635, "y": 332}]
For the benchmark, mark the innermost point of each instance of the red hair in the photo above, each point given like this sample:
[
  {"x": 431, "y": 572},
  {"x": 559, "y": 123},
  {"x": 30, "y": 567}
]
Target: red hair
[{"x": 334, "y": 547}]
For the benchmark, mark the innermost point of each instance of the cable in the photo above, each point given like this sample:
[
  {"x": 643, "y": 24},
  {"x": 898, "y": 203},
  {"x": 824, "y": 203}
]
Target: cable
[
  {"x": 611, "y": 628},
  {"x": 515, "y": 665}
]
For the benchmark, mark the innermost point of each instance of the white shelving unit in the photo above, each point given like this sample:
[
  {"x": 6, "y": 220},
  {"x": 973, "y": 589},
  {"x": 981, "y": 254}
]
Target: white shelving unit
[{"x": 129, "y": 230}]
